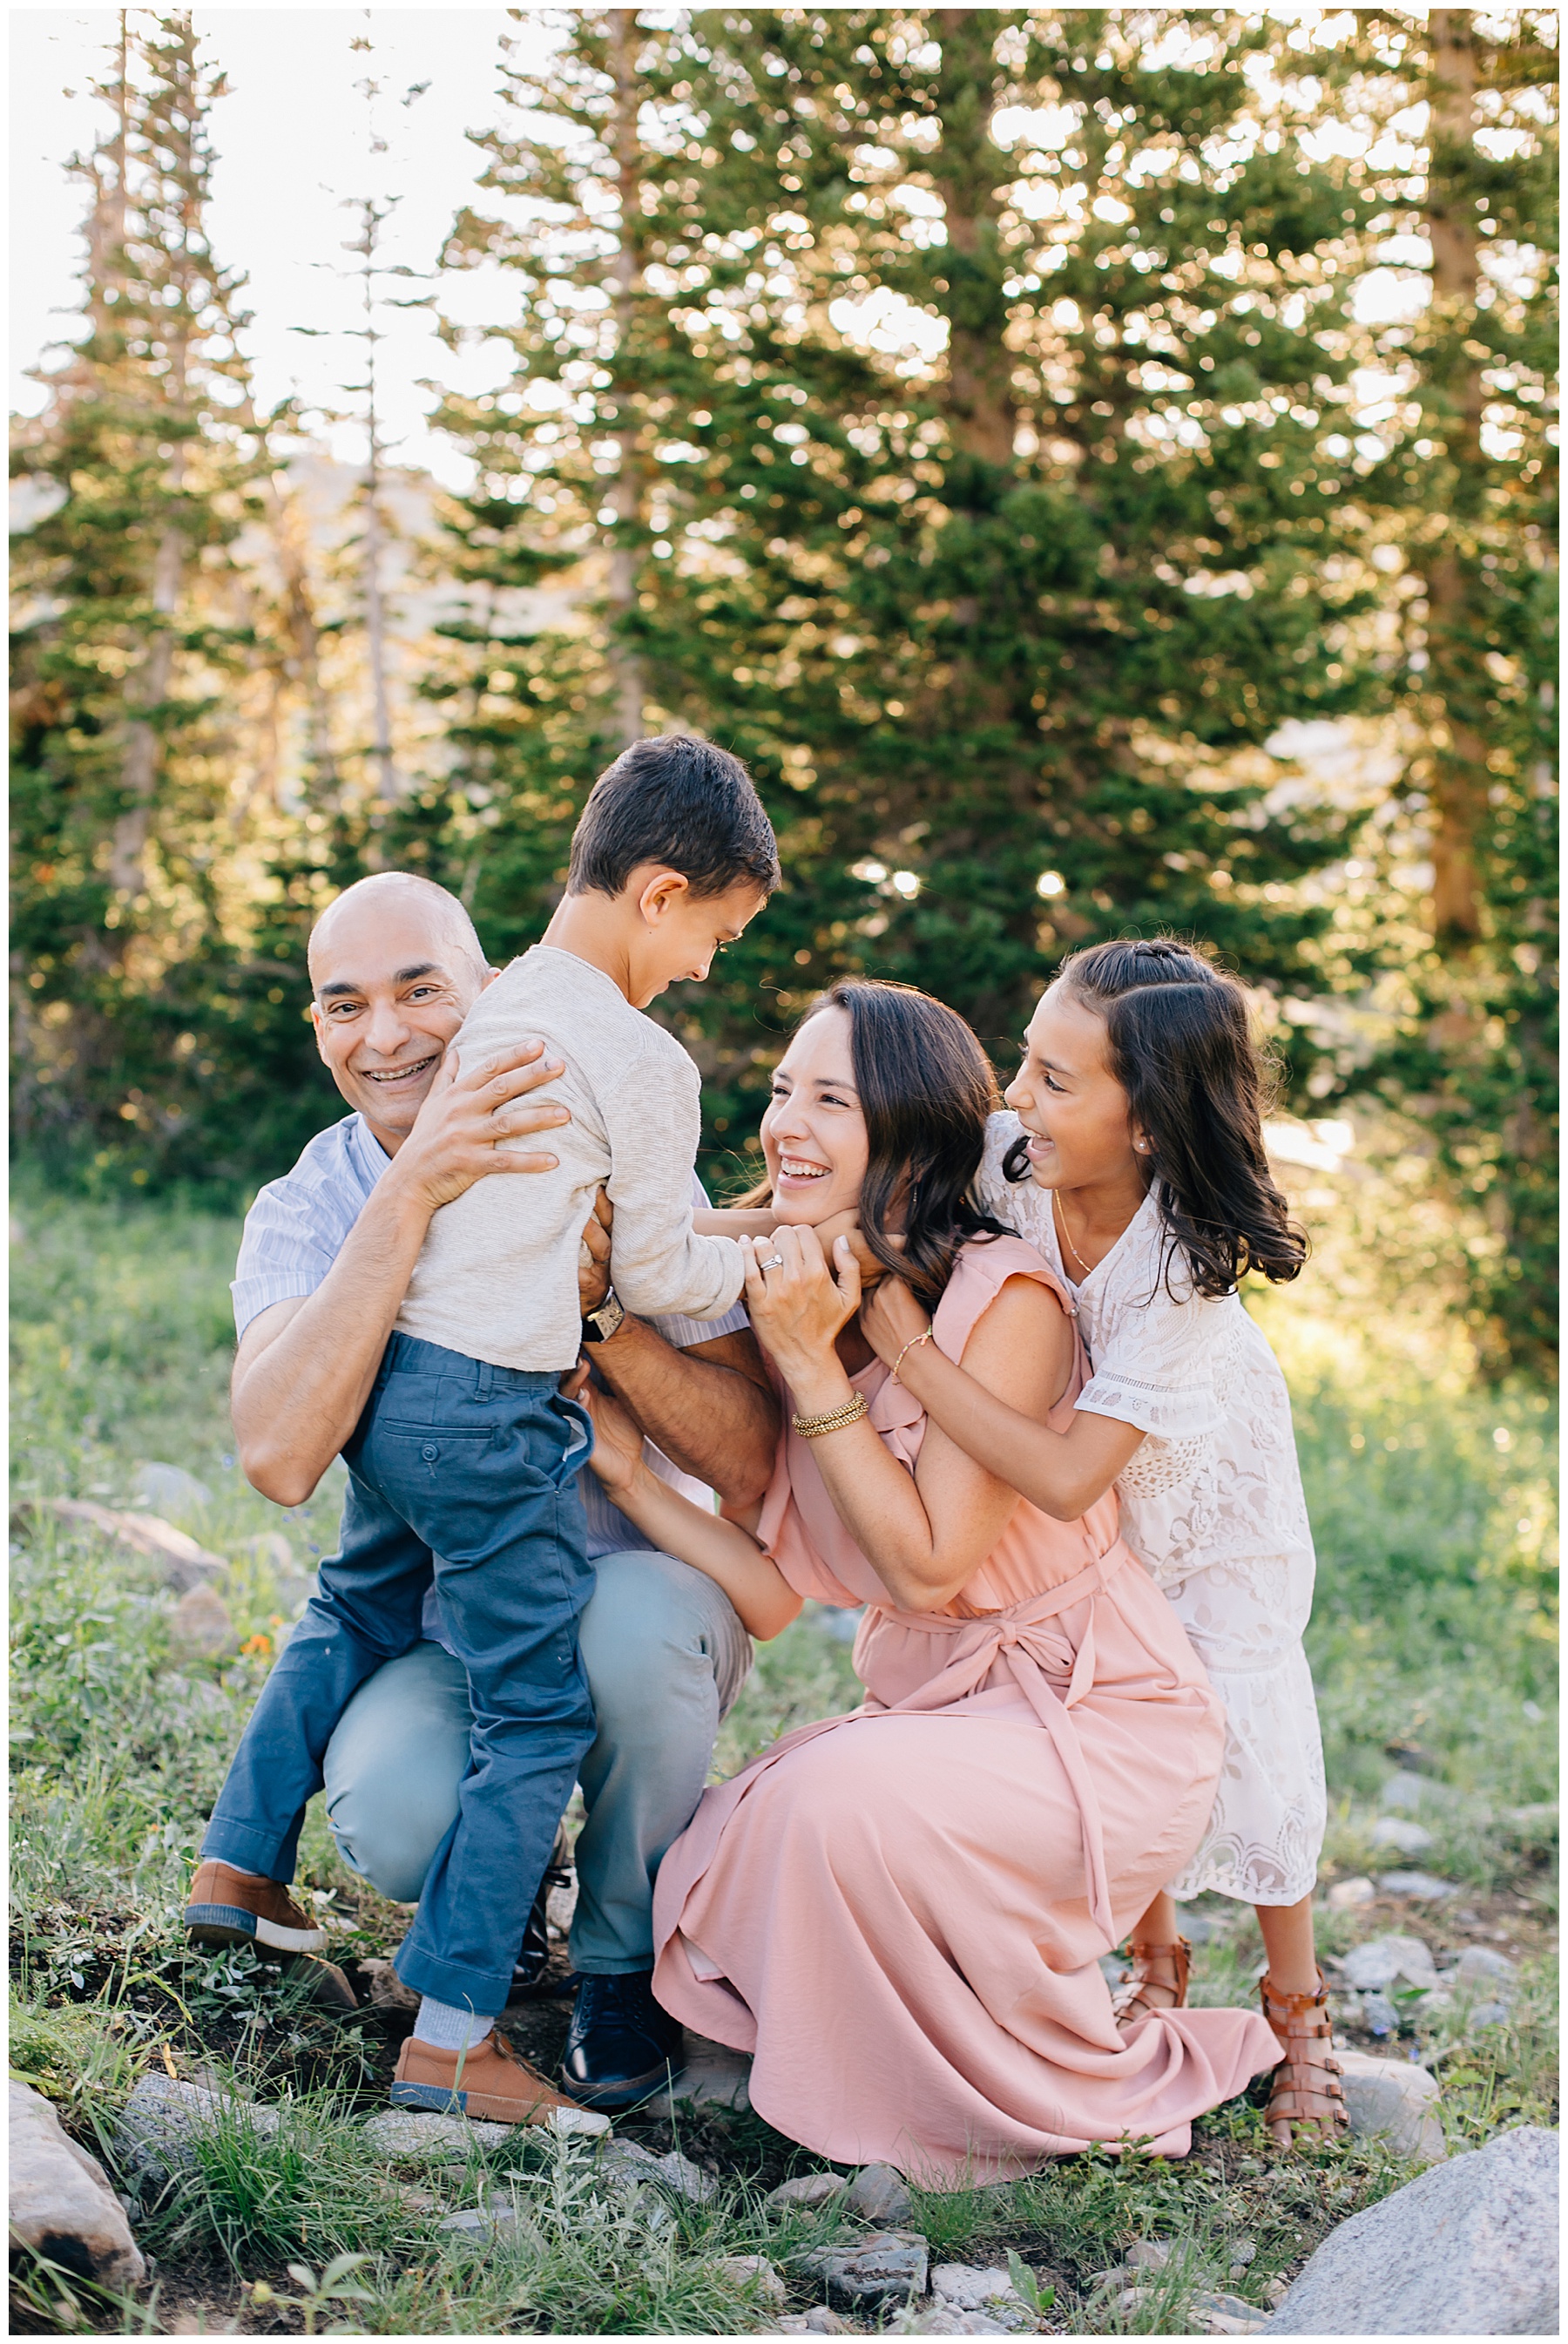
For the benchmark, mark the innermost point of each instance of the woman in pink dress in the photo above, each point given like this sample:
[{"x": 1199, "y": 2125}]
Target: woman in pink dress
[{"x": 900, "y": 1911}]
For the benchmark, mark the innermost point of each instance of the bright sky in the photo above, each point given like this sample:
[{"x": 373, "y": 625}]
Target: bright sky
[{"x": 293, "y": 141}]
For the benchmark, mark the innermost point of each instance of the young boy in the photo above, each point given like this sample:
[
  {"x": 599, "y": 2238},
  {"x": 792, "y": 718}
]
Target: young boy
[{"x": 468, "y": 1453}]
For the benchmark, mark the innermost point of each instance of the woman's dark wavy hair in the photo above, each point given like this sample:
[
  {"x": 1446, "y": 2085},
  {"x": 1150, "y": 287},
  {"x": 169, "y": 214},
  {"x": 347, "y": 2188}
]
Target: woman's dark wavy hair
[
  {"x": 1181, "y": 1047},
  {"x": 926, "y": 1088}
]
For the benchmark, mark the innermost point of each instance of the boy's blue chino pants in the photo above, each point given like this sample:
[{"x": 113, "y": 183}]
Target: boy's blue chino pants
[{"x": 469, "y": 1472}]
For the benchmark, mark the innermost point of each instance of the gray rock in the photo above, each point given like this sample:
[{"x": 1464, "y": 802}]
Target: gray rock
[
  {"x": 1346, "y": 1895},
  {"x": 947, "y": 2320},
  {"x": 1405, "y": 1793},
  {"x": 1422, "y": 1884},
  {"x": 61, "y": 2203},
  {"x": 201, "y": 1625},
  {"x": 1148, "y": 2255},
  {"x": 990, "y": 2293},
  {"x": 1480, "y": 1962},
  {"x": 1395, "y": 2101},
  {"x": 1380, "y": 1961},
  {"x": 817, "y": 2321},
  {"x": 169, "y": 1489},
  {"x": 142, "y": 1537},
  {"x": 271, "y": 1549},
  {"x": 484, "y": 2224},
  {"x": 1399, "y": 1830},
  {"x": 630, "y": 2167},
  {"x": 713, "y": 2076},
  {"x": 410, "y": 2136},
  {"x": 1224, "y": 2315},
  {"x": 1535, "y": 1822},
  {"x": 165, "y": 2119},
  {"x": 1378, "y": 2015},
  {"x": 1242, "y": 2252},
  {"x": 756, "y": 2275},
  {"x": 1469, "y": 2248},
  {"x": 1491, "y": 2013},
  {"x": 889, "y": 2268},
  {"x": 878, "y": 2193},
  {"x": 808, "y": 2190}
]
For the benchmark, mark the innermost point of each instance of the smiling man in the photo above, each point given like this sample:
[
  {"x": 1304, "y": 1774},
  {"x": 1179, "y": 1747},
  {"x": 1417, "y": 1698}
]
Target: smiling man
[{"x": 323, "y": 1268}]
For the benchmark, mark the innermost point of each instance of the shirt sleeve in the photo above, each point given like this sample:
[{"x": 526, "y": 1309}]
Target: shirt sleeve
[
  {"x": 285, "y": 1252},
  {"x": 682, "y": 1334},
  {"x": 1156, "y": 1364},
  {"x": 661, "y": 1266}
]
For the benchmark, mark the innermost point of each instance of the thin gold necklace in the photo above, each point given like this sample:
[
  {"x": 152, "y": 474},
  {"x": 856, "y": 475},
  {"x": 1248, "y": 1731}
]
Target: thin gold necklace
[{"x": 1067, "y": 1233}]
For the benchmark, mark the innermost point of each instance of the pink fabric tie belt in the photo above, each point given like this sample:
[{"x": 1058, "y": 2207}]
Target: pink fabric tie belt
[{"x": 1023, "y": 1637}]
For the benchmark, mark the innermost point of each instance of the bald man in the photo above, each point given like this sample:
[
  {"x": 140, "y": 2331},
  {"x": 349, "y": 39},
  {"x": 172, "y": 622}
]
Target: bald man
[{"x": 327, "y": 1251}]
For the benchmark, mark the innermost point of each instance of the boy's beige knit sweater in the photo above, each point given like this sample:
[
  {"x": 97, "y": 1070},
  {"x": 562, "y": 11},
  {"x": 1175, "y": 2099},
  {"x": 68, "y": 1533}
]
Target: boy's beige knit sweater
[{"x": 496, "y": 1277}]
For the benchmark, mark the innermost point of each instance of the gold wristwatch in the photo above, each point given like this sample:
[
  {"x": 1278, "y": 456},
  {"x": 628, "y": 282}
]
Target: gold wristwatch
[{"x": 601, "y": 1324}]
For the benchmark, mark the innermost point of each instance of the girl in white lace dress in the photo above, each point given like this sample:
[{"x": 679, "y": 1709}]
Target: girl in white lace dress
[{"x": 1133, "y": 1162}]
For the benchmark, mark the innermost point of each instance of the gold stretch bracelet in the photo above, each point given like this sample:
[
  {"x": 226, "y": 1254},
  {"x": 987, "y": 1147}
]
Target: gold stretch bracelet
[
  {"x": 812, "y": 1427},
  {"x": 912, "y": 1345}
]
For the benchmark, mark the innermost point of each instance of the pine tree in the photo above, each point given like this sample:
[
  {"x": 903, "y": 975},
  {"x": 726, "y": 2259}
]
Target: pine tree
[
  {"x": 1475, "y": 1063},
  {"x": 996, "y": 630},
  {"x": 126, "y": 636}
]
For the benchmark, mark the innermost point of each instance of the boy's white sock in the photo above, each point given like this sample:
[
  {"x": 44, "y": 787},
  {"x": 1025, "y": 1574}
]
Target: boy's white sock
[{"x": 447, "y": 2028}]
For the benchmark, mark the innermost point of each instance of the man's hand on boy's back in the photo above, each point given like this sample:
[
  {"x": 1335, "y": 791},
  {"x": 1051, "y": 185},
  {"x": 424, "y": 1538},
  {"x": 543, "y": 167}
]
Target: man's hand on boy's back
[
  {"x": 466, "y": 1111},
  {"x": 305, "y": 1367}
]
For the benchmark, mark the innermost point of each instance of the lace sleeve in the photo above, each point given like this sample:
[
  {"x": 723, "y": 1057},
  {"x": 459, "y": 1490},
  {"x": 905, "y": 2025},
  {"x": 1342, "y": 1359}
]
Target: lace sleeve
[{"x": 1157, "y": 1363}]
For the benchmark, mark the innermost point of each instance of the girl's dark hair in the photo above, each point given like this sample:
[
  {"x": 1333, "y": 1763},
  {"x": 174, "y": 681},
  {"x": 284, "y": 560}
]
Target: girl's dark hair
[
  {"x": 1181, "y": 1046},
  {"x": 926, "y": 1088}
]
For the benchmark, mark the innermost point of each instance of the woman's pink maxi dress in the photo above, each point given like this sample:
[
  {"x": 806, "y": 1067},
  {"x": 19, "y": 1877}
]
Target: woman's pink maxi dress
[{"x": 899, "y": 1912}]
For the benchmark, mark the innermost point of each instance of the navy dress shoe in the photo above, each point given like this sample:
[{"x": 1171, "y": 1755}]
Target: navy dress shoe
[
  {"x": 621, "y": 2046},
  {"x": 528, "y": 1978}
]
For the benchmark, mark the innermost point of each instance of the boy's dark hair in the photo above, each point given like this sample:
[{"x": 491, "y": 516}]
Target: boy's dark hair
[
  {"x": 678, "y": 800},
  {"x": 1181, "y": 1046}
]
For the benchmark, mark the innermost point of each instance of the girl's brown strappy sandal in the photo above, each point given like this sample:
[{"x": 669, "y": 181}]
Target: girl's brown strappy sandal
[
  {"x": 1134, "y": 1998},
  {"x": 1307, "y": 2080}
]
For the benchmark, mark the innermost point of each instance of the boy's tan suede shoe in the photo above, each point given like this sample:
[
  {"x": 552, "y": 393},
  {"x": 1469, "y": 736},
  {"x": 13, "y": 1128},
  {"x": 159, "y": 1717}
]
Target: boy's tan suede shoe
[
  {"x": 227, "y": 1907},
  {"x": 488, "y": 2080}
]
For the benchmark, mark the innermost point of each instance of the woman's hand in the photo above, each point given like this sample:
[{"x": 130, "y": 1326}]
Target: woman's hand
[
  {"x": 618, "y": 1441},
  {"x": 800, "y": 1307},
  {"x": 846, "y": 1224},
  {"x": 892, "y": 1319}
]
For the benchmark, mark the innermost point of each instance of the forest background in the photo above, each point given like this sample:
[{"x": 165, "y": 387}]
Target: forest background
[{"x": 1096, "y": 466}]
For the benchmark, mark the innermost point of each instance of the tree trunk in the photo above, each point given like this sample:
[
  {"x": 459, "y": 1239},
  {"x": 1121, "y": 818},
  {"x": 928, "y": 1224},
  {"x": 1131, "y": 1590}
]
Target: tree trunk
[
  {"x": 631, "y": 486},
  {"x": 968, "y": 169},
  {"x": 1459, "y": 762},
  {"x": 139, "y": 764}
]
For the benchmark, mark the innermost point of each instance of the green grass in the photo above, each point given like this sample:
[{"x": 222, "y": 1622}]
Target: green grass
[{"x": 1431, "y": 1501}]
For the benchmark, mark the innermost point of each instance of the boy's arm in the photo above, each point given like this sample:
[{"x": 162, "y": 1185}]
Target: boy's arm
[
  {"x": 1062, "y": 1473},
  {"x": 661, "y": 1267}
]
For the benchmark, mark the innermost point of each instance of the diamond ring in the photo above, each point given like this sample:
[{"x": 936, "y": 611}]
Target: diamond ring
[{"x": 774, "y": 1261}]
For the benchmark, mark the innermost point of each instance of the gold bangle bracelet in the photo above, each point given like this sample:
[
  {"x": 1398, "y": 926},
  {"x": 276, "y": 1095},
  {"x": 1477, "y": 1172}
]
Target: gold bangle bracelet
[{"x": 812, "y": 1427}]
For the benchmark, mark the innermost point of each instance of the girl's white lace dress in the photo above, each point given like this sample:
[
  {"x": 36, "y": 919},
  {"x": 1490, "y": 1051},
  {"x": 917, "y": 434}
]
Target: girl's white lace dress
[{"x": 1213, "y": 1504}]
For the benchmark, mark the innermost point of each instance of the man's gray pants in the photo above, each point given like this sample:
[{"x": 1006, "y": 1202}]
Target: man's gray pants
[{"x": 666, "y": 1656}]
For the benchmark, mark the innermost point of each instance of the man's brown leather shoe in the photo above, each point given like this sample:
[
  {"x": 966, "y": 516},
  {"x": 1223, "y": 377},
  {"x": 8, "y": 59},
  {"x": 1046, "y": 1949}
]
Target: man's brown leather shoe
[
  {"x": 227, "y": 1907},
  {"x": 487, "y": 2080}
]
